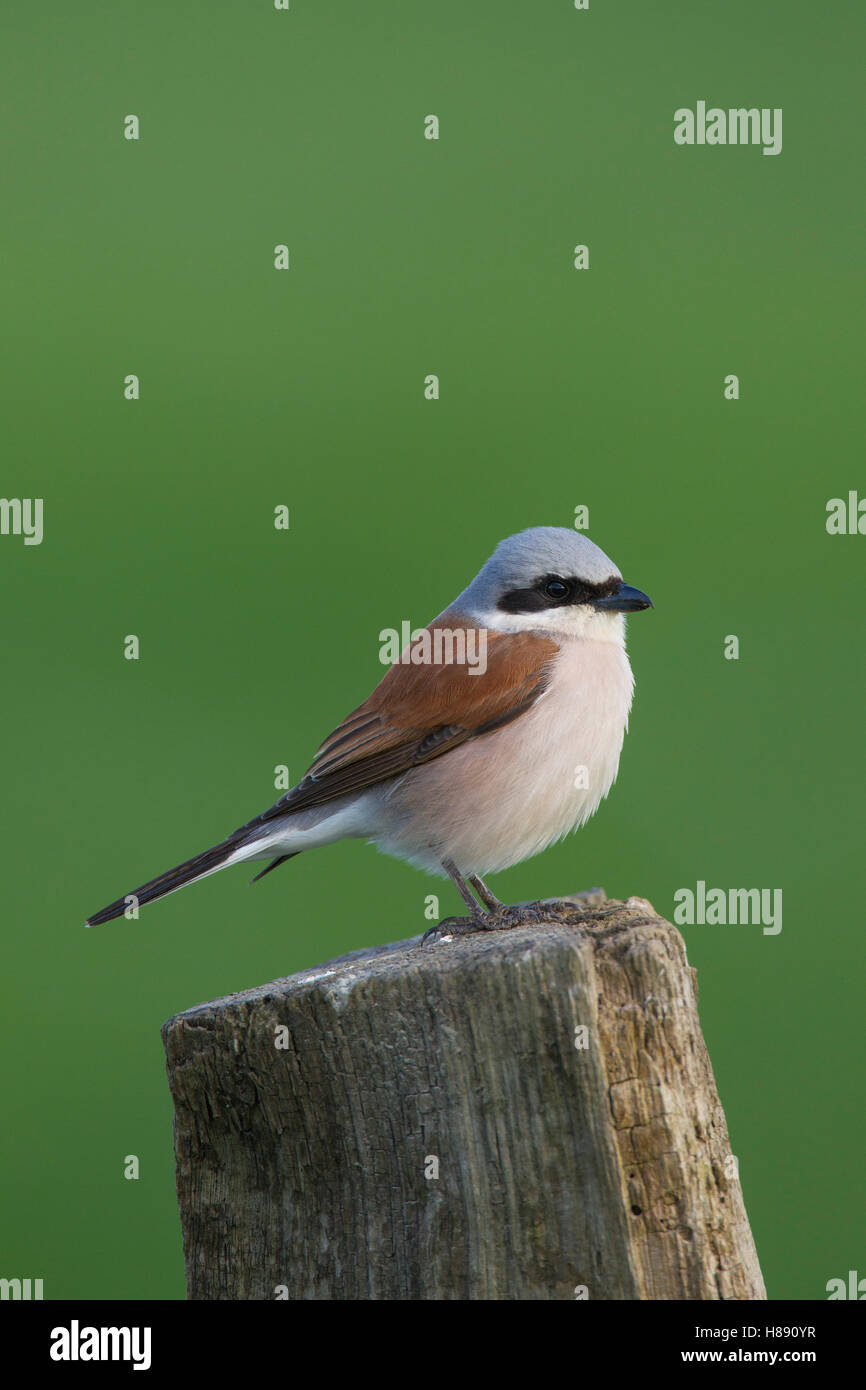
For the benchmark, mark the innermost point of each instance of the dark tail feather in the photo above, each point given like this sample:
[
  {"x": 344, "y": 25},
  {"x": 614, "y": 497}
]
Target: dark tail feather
[
  {"x": 274, "y": 864},
  {"x": 196, "y": 867}
]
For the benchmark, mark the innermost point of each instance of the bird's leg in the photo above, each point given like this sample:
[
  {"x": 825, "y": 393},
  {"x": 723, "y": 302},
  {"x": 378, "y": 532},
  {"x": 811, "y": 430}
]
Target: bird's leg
[
  {"x": 490, "y": 902},
  {"x": 477, "y": 920},
  {"x": 498, "y": 916},
  {"x": 463, "y": 888}
]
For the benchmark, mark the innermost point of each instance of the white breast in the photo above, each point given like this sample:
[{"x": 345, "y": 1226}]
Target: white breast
[{"x": 507, "y": 795}]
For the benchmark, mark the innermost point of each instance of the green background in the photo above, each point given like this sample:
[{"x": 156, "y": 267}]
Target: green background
[{"x": 558, "y": 388}]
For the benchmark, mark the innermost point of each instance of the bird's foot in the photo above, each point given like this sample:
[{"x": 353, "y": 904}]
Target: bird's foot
[
  {"x": 555, "y": 911},
  {"x": 457, "y": 926}
]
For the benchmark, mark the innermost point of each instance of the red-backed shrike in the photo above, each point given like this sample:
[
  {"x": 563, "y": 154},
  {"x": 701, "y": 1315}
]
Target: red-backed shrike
[{"x": 462, "y": 767}]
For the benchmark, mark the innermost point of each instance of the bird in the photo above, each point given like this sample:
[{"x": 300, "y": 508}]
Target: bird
[{"x": 470, "y": 755}]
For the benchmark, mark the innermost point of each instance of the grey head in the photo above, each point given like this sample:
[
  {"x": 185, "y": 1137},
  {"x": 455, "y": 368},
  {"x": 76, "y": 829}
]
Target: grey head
[{"x": 544, "y": 569}]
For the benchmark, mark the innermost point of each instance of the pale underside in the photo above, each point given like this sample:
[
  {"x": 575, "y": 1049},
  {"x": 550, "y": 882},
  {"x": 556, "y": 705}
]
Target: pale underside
[{"x": 496, "y": 798}]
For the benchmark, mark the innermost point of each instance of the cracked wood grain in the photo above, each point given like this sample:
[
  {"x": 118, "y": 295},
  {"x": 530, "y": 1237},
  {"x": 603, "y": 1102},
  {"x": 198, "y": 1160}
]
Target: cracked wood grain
[{"x": 303, "y": 1171}]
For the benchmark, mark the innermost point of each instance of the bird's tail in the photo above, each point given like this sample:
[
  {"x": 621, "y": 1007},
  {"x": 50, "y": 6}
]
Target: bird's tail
[{"x": 218, "y": 857}]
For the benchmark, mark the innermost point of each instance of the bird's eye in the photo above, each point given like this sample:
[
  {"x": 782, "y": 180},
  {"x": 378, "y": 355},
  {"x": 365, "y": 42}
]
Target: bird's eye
[{"x": 556, "y": 589}]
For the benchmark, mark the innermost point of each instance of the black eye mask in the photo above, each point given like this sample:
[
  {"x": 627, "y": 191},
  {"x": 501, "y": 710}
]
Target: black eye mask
[{"x": 556, "y": 591}]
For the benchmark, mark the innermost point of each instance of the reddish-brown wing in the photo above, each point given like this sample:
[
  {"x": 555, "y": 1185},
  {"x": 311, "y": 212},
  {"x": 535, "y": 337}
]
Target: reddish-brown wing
[{"x": 419, "y": 712}]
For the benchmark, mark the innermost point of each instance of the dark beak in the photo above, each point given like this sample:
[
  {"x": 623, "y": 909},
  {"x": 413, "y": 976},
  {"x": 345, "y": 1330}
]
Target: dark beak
[{"x": 625, "y": 600}]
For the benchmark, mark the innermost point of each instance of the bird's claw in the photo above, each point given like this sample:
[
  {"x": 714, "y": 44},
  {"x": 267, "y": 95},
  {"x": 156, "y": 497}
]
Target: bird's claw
[{"x": 556, "y": 912}]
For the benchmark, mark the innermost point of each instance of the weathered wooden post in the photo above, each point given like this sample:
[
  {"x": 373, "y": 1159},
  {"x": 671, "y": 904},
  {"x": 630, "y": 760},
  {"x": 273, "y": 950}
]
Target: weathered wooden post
[{"x": 526, "y": 1115}]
